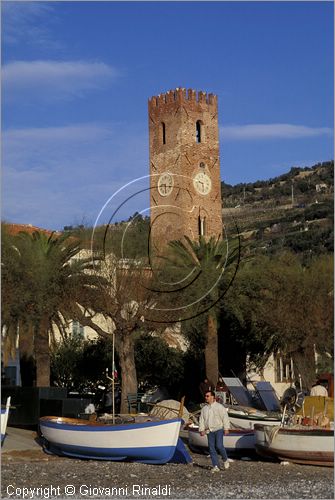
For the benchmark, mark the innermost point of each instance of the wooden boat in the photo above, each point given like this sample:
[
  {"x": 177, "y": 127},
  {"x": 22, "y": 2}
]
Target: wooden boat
[
  {"x": 238, "y": 441},
  {"x": 246, "y": 418},
  {"x": 296, "y": 443},
  {"x": 151, "y": 442},
  {"x": 4, "y": 418}
]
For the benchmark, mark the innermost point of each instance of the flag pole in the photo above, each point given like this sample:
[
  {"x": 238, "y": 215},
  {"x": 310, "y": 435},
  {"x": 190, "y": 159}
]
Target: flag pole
[
  {"x": 113, "y": 383},
  {"x": 112, "y": 378}
]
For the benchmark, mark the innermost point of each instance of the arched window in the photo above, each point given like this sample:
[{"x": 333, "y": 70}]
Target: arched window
[
  {"x": 202, "y": 226},
  {"x": 198, "y": 131},
  {"x": 163, "y": 133}
]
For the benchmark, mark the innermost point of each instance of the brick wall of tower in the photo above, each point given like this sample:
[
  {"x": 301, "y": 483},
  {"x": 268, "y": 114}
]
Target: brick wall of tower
[{"x": 178, "y": 213}]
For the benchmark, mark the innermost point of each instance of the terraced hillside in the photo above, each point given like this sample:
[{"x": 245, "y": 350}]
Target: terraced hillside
[{"x": 293, "y": 211}]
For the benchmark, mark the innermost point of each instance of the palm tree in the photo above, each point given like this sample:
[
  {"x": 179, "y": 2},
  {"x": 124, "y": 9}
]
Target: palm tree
[
  {"x": 46, "y": 284},
  {"x": 209, "y": 263}
]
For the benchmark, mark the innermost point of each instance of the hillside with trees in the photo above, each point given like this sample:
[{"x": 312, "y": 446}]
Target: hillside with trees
[{"x": 294, "y": 211}]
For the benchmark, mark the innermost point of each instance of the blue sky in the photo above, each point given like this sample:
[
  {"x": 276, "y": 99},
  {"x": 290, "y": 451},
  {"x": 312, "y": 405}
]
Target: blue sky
[{"x": 76, "y": 77}]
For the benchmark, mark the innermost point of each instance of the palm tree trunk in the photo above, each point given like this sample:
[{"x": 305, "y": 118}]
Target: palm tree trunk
[
  {"x": 26, "y": 340},
  {"x": 26, "y": 352},
  {"x": 211, "y": 349},
  {"x": 42, "y": 354},
  {"x": 126, "y": 352}
]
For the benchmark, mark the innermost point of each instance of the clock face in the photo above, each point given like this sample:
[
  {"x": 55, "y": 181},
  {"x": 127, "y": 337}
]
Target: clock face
[
  {"x": 202, "y": 183},
  {"x": 165, "y": 184}
]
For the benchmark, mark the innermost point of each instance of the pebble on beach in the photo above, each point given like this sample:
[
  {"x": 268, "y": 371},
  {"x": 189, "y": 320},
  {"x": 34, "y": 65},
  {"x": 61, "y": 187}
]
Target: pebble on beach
[{"x": 47, "y": 476}]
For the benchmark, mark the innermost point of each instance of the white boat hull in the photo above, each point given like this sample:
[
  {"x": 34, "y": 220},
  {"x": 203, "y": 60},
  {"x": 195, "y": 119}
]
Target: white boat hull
[
  {"x": 149, "y": 442},
  {"x": 4, "y": 419},
  {"x": 237, "y": 441},
  {"x": 296, "y": 444},
  {"x": 248, "y": 421}
]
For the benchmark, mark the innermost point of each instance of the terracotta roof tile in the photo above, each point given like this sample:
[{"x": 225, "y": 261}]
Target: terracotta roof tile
[{"x": 27, "y": 228}]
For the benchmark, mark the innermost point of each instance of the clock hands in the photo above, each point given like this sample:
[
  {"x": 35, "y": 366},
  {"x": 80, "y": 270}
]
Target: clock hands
[{"x": 165, "y": 184}]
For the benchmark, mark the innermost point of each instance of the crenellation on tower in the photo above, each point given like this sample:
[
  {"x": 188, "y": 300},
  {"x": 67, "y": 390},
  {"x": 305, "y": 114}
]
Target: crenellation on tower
[
  {"x": 191, "y": 95},
  {"x": 212, "y": 99},
  {"x": 170, "y": 96},
  {"x": 153, "y": 101},
  {"x": 180, "y": 95},
  {"x": 202, "y": 96}
]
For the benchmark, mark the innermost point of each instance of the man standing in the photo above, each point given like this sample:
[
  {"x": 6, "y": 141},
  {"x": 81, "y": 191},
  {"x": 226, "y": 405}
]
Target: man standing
[{"x": 214, "y": 422}]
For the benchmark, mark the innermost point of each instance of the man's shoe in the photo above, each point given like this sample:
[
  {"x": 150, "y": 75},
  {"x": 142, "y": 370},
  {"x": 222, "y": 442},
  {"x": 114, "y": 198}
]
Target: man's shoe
[
  {"x": 215, "y": 469},
  {"x": 226, "y": 465}
]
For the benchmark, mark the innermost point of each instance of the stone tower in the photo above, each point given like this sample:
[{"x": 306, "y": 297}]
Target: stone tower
[{"x": 185, "y": 185}]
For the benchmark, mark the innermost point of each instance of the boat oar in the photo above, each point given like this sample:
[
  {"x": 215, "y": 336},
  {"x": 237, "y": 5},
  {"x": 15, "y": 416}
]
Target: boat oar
[
  {"x": 283, "y": 417},
  {"x": 181, "y": 407}
]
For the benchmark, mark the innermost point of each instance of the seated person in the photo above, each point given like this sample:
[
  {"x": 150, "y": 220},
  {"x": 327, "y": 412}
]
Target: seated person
[
  {"x": 319, "y": 390},
  {"x": 206, "y": 386}
]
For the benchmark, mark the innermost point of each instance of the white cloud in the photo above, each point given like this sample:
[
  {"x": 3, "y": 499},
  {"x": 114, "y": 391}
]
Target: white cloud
[
  {"x": 56, "y": 79},
  {"x": 271, "y": 131},
  {"x": 29, "y": 23},
  {"x": 65, "y": 134}
]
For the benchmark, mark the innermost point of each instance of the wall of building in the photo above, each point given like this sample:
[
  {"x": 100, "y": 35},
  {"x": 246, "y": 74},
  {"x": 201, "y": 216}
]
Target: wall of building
[{"x": 270, "y": 374}]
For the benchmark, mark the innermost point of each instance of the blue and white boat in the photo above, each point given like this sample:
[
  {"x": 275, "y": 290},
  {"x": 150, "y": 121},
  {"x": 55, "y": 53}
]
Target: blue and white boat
[
  {"x": 4, "y": 418},
  {"x": 153, "y": 442},
  {"x": 236, "y": 442}
]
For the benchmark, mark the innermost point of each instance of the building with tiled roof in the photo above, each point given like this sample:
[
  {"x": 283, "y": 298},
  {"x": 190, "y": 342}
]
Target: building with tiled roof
[{"x": 26, "y": 228}]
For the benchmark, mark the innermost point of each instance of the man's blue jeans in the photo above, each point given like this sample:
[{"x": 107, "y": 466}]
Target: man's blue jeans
[{"x": 215, "y": 442}]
